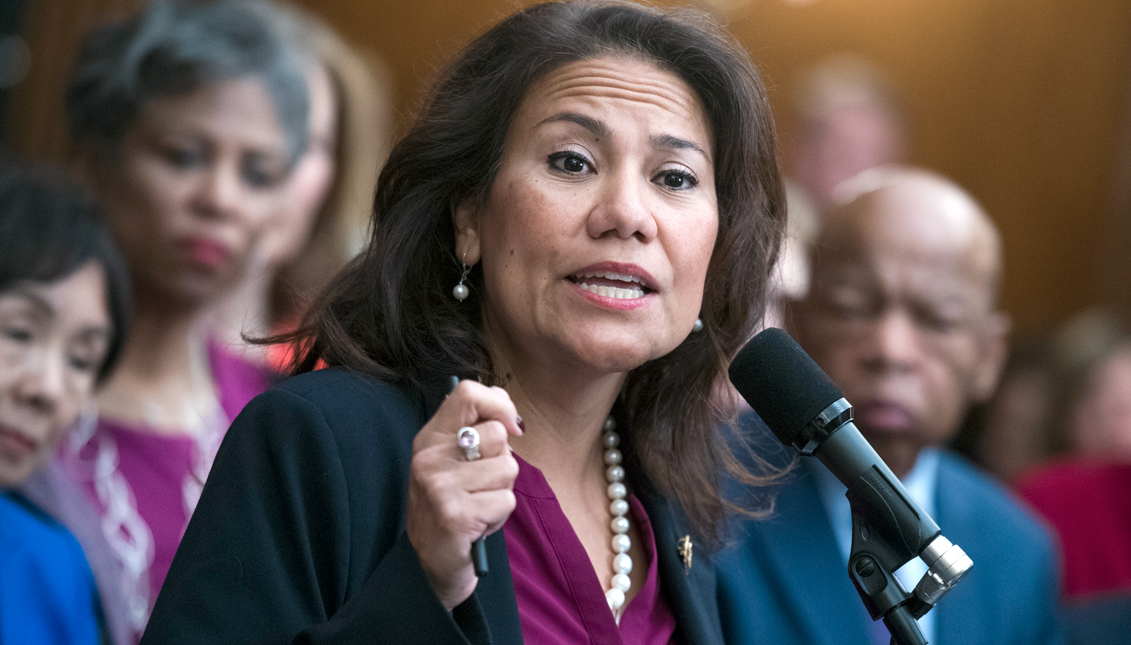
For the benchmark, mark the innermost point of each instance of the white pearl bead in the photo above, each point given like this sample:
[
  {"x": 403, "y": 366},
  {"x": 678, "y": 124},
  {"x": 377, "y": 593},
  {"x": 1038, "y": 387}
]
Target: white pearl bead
[
  {"x": 621, "y": 543},
  {"x": 618, "y": 507},
  {"x": 460, "y": 292},
  {"x": 698, "y": 326},
  {"x": 619, "y": 525},
  {"x": 622, "y": 563},
  {"x": 617, "y": 490},
  {"x": 615, "y": 597},
  {"x": 614, "y": 474}
]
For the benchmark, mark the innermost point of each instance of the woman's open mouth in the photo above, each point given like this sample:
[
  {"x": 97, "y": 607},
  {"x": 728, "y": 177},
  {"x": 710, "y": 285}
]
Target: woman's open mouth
[{"x": 610, "y": 284}]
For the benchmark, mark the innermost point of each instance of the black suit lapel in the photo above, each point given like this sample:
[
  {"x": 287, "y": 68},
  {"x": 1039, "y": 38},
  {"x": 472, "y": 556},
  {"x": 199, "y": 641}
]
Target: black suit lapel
[{"x": 690, "y": 593}]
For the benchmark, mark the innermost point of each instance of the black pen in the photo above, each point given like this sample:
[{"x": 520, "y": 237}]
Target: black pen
[{"x": 478, "y": 547}]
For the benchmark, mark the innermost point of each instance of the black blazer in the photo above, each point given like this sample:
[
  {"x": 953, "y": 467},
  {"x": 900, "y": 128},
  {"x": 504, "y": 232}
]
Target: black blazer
[{"x": 299, "y": 535}]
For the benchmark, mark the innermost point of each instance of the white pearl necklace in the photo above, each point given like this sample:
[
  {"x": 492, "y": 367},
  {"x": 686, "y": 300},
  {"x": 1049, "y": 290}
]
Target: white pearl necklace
[{"x": 618, "y": 508}]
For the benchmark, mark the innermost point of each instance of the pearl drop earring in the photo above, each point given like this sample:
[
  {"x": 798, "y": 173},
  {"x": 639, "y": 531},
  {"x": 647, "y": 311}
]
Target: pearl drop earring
[
  {"x": 460, "y": 292},
  {"x": 698, "y": 326}
]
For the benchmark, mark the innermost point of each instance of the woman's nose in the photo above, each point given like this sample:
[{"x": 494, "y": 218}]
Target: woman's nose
[
  {"x": 41, "y": 382},
  {"x": 219, "y": 192},
  {"x": 622, "y": 208}
]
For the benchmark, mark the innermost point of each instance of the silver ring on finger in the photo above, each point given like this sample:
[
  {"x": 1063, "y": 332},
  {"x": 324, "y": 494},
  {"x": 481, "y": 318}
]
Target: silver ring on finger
[{"x": 468, "y": 440}]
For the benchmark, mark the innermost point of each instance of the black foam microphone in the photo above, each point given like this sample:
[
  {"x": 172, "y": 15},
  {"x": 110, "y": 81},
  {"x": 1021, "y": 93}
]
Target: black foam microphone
[{"x": 805, "y": 409}]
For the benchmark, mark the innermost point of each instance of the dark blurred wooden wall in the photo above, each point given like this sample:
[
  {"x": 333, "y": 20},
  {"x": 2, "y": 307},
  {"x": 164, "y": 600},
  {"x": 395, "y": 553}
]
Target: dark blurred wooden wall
[
  {"x": 52, "y": 29},
  {"x": 1022, "y": 101}
]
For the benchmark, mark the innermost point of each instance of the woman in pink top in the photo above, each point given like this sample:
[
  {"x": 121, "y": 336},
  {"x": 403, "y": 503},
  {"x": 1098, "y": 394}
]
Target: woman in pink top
[
  {"x": 187, "y": 119},
  {"x": 579, "y": 226}
]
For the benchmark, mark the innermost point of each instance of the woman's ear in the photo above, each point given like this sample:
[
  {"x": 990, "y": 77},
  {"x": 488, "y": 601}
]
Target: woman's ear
[{"x": 465, "y": 216}]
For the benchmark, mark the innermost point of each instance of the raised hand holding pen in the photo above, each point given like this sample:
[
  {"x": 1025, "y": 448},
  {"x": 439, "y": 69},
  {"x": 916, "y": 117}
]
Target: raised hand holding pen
[
  {"x": 468, "y": 439},
  {"x": 452, "y": 501}
]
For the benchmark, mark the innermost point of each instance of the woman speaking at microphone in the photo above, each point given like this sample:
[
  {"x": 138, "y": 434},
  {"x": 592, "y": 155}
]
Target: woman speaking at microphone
[{"x": 579, "y": 225}]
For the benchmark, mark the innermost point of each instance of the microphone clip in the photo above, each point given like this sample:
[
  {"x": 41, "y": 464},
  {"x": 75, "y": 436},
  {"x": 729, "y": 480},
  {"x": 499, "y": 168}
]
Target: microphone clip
[
  {"x": 872, "y": 563},
  {"x": 871, "y": 566}
]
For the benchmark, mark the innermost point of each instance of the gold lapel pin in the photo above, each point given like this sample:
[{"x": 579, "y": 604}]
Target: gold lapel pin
[{"x": 685, "y": 552}]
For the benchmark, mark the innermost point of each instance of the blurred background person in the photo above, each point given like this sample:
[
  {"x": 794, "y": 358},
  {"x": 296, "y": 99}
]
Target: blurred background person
[
  {"x": 1061, "y": 396},
  {"x": 64, "y": 310},
  {"x": 1083, "y": 487},
  {"x": 323, "y": 219},
  {"x": 1086, "y": 502},
  {"x": 186, "y": 119},
  {"x": 1090, "y": 386},
  {"x": 847, "y": 117},
  {"x": 903, "y": 317},
  {"x": 1006, "y": 435}
]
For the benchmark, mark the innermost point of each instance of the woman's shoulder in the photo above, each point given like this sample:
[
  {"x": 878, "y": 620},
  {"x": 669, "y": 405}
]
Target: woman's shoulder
[
  {"x": 352, "y": 407},
  {"x": 345, "y": 389},
  {"x": 30, "y": 533},
  {"x": 42, "y": 560},
  {"x": 23, "y": 518}
]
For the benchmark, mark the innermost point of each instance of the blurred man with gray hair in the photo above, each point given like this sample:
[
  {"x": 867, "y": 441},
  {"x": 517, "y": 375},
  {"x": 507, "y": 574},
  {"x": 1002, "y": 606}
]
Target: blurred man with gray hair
[{"x": 847, "y": 117}]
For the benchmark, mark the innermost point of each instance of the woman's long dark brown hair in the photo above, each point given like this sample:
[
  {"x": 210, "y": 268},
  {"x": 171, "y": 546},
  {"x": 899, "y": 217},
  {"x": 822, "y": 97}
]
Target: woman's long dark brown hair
[{"x": 391, "y": 315}]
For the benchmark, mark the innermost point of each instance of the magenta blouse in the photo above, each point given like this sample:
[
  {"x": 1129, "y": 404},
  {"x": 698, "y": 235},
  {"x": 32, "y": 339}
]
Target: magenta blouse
[
  {"x": 560, "y": 598},
  {"x": 146, "y": 485}
]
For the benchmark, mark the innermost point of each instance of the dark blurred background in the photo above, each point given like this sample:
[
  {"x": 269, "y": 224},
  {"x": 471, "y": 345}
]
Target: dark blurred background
[{"x": 1024, "y": 102}]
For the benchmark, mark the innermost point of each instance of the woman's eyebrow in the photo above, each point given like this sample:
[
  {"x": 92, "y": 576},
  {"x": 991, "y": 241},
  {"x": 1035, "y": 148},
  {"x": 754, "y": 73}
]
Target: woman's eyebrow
[
  {"x": 601, "y": 129},
  {"x": 669, "y": 142},
  {"x": 598, "y": 128},
  {"x": 36, "y": 300}
]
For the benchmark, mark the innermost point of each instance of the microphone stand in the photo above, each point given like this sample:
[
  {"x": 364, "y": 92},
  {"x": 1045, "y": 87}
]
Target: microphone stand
[
  {"x": 881, "y": 544},
  {"x": 888, "y": 526},
  {"x": 871, "y": 566},
  {"x": 888, "y": 530}
]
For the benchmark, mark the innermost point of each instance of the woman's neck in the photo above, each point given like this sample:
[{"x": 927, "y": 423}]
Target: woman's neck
[
  {"x": 564, "y": 407},
  {"x": 162, "y": 379},
  {"x": 246, "y": 310},
  {"x": 563, "y": 410}
]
